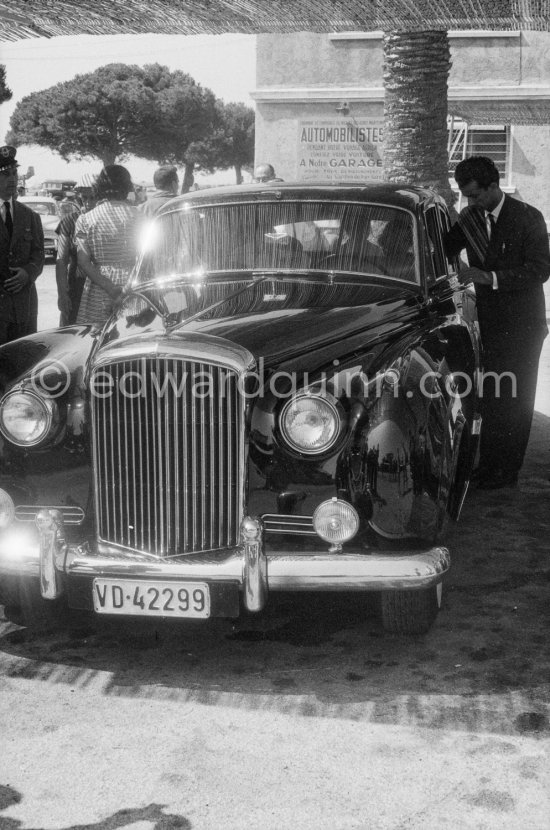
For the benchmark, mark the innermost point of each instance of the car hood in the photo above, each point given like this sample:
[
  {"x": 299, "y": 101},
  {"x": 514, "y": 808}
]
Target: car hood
[{"x": 286, "y": 323}]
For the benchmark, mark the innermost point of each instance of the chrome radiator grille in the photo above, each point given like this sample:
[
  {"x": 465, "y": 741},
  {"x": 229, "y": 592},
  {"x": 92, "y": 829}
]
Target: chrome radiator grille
[{"x": 167, "y": 447}]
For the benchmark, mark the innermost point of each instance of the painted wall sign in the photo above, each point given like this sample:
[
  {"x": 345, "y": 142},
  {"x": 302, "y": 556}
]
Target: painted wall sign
[{"x": 340, "y": 149}]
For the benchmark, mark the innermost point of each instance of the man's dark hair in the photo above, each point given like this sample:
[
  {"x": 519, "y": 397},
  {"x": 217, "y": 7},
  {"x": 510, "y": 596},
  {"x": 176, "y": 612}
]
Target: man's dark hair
[
  {"x": 480, "y": 169},
  {"x": 164, "y": 177}
]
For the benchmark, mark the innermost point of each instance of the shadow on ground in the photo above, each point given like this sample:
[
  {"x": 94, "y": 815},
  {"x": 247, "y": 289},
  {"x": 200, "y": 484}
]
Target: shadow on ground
[{"x": 122, "y": 818}]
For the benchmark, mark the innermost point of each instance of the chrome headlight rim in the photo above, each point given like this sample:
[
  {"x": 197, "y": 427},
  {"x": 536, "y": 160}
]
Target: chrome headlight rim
[
  {"x": 7, "y": 509},
  {"x": 335, "y": 409},
  {"x": 49, "y": 409}
]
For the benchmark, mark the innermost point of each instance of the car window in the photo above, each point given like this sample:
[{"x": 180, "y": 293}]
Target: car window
[
  {"x": 338, "y": 236},
  {"x": 43, "y": 208},
  {"x": 436, "y": 225}
]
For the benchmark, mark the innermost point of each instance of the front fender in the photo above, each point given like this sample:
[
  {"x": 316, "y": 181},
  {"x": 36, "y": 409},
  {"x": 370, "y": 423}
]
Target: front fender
[
  {"x": 52, "y": 363},
  {"x": 406, "y": 446},
  {"x": 50, "y": 359}
]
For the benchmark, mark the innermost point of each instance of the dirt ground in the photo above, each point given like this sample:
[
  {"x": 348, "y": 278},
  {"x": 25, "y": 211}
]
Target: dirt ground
[{"x": 310, "y": 716}]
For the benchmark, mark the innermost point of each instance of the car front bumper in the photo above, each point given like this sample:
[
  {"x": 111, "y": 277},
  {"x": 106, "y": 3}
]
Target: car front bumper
[{"x": 58, "y": 565}]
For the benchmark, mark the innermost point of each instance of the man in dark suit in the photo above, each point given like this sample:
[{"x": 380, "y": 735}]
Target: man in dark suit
[
  {"x": 507, "y": 245},
  {"x": 21, "y": 255}
]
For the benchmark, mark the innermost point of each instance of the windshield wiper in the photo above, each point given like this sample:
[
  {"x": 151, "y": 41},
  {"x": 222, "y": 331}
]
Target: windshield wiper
[{"x": 217, "y": 304}]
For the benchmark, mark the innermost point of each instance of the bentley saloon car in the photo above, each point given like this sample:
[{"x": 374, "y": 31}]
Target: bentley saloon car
[{"x": 284, "y": 399}]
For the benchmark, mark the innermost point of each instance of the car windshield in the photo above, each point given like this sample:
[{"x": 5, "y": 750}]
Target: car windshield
[{"x": 355, "y": 238}]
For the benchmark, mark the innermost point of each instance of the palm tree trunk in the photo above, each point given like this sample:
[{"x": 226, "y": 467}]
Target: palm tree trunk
[{"x": 416, "y": 70}]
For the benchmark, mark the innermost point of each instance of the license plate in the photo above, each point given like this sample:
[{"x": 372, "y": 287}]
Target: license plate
[{"x": 151, "y": 599}]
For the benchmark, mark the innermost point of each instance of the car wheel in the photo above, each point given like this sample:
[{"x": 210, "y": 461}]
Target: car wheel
[{"x": 410, "y": 612}]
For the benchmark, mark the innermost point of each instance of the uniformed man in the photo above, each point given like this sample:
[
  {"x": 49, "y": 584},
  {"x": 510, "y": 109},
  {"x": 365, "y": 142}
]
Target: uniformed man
[{"x": 21, "y": 255}]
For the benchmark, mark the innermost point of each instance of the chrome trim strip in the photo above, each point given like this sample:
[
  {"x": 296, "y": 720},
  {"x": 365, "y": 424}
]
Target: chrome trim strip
[
  {"x": 195, "y": 348},
  {"x": 294, "y": 529},
  {"x": 288, "y": 523},
  {"x": 70, "y": 514}
]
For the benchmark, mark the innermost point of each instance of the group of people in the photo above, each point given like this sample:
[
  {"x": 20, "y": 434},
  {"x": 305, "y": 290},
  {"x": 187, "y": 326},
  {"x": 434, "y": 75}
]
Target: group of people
[
  {"x": 97, "y": 247},
  {"x": 508, "y": 261}
]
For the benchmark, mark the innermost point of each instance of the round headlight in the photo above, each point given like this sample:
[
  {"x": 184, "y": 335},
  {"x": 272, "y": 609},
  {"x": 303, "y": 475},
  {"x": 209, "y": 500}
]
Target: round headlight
[
  {"x": 26, "y": 418},
  {"x": 310, "y": 423},
  {"x": 336, "y": 521}
]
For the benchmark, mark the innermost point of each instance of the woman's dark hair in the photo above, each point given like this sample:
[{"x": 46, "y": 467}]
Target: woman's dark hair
[
  {"x": 480, "y": 169},
  {"x": 113, "y": 182}
]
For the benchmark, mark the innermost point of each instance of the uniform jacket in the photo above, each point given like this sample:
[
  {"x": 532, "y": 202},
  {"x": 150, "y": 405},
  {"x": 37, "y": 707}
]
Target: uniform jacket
[
  {"x": 519, "y": 254},
  {"x": 26, "y": 249},
  {"x": 18, "y": 312}
]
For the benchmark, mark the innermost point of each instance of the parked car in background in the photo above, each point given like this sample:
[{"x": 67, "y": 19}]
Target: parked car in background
[
  {"x": 57, "y": 187},
  {"x": 283, "y": 400},
  {"x": 46, "y": 207}
]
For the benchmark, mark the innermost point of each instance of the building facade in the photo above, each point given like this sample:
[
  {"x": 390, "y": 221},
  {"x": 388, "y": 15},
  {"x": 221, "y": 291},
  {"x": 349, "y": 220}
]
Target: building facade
[{"x": 320, "y": 106}]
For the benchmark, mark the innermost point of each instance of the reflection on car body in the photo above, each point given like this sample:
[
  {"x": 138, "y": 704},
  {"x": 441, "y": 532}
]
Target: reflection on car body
[{"x": 273, "y": 406}]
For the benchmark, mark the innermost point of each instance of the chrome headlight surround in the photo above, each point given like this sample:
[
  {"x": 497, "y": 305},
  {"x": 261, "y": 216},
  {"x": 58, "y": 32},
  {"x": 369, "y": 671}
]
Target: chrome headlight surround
[
  {"x": 311, "y": 423},
  {"x": 7, "y": 509},
  {"x": 27, "y": 418}
]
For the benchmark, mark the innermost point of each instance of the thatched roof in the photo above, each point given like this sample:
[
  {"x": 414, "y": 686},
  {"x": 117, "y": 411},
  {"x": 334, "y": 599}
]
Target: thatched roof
[
  {"x": 47, "y": 18},
  {"x": 497, "y": 111}
]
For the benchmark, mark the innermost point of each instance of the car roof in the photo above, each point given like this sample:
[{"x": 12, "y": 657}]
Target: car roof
[{"x": 398, "y": 195}]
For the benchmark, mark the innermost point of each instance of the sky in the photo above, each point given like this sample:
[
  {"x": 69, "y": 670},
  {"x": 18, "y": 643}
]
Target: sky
[{"x": 223, "y": 63}]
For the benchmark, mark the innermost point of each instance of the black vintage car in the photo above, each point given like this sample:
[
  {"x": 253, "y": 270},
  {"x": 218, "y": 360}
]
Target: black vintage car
[{"x": 284, "y": 400}]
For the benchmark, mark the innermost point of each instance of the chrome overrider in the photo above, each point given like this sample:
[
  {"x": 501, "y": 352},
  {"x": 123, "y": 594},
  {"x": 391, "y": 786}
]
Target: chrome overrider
[{"x": 255, "y": 571}]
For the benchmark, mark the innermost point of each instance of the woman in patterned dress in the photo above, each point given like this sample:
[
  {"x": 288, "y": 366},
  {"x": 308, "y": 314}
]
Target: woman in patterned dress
[{"x": 106, "y": 240}]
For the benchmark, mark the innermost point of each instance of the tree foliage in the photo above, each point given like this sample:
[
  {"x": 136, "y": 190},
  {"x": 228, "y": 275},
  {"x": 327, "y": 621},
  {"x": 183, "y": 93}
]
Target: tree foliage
[
  {"x": 5, "y": 91},
  {"x": 115, "y": 111},
  {"x": 231, "y": 144},
  {"x": 184, "y": 112}
]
